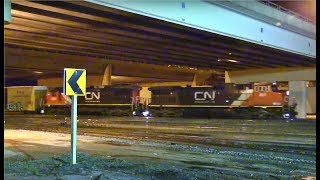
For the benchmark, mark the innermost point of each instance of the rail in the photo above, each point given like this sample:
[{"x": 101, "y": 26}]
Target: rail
[{"x": 283, "y": 9}]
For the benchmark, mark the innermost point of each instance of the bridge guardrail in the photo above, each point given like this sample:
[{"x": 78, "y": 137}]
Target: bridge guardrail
[{"x": 283, "y": 9}]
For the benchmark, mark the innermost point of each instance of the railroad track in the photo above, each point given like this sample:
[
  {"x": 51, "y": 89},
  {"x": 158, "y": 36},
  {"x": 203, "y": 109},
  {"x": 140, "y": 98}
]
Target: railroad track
[
  {"x": 262, "y": 137},
  {"x": 250, "y": 153}
]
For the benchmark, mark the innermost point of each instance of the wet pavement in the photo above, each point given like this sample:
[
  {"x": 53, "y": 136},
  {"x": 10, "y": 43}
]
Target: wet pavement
[{"x": 233, "y": 148}]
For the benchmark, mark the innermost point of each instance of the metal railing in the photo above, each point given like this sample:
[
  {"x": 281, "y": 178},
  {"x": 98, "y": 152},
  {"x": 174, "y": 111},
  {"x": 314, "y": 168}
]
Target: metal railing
[{"x": 285, "y": 10}]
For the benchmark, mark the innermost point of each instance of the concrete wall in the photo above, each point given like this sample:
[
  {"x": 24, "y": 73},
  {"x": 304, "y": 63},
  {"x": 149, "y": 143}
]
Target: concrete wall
[
  {"x": 311, "y": 100},
  {"x": 271, "y": 75}
]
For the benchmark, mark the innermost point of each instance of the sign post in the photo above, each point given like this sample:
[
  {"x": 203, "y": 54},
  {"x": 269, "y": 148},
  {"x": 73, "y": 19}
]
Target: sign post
[
  {"x": 74, "y": 84},
  {"x": 74, "y": 129}
]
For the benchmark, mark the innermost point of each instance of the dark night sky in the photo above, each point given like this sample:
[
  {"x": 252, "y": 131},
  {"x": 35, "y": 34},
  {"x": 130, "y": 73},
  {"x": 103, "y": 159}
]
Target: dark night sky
[{"x": 306, "y": 8}]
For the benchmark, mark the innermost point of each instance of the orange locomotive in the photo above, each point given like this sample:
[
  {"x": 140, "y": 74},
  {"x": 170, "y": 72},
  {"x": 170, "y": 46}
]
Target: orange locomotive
[{"x": 264, "y": 94}]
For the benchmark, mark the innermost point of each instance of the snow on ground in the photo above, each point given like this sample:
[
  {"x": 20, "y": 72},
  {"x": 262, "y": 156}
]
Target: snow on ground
[
  {"x": 104, "y": 158},
  {"x": 9, "y": 153},
  {"x": 40, "y": 137},
  {"x": 55, "y": 139}
]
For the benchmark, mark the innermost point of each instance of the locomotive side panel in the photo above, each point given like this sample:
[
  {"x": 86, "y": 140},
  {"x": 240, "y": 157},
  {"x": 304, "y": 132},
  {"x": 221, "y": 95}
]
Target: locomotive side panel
[
  {"x": 265, "y": 99},
  {"x": 165, "y": 95},
  {"x": 106, "y": 96},
  {"x": 206, "y": 96}
]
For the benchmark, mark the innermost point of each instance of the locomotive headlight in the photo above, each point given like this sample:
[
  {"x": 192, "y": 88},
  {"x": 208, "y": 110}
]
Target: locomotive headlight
[
  {"x": 145, "y": 113},
  {"x": 286, "y": 115},
  {"x": 227, "y": 101}
]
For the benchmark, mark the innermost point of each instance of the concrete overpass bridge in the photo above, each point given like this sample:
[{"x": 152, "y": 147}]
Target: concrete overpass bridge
[{"x": 219, "y": 35}]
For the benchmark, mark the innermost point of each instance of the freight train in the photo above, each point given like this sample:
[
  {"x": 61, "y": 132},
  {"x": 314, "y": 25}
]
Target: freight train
[{"x": 261, "y": 100}]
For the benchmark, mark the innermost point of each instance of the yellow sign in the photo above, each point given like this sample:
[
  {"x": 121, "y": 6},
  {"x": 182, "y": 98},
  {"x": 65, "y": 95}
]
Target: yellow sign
[{"x": 74, "y": 82}]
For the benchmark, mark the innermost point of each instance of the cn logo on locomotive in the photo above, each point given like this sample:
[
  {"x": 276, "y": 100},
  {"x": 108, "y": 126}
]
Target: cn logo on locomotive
[
  {"x": 92, "y": 95},
  {"x": 204, "y": 95}
]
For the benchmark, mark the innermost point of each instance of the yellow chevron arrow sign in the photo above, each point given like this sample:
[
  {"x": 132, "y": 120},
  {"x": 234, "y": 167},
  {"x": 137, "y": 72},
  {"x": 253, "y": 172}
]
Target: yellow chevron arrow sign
[{"x": 74, "y": 82}]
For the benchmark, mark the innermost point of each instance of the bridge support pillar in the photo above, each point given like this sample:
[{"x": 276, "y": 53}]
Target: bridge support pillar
[
  {"x": 107, "y": 75},
  {"x": 199, "y": 79},
  {"x": 297, "y": 93}
]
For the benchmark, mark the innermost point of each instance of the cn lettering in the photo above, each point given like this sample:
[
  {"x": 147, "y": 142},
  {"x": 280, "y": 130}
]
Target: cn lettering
[
  {"x": 92, "y": 95},
  {"x": 204, "y": 95}
]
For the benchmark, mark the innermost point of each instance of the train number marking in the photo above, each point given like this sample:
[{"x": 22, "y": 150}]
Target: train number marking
[{"x": 15, "y": 106}]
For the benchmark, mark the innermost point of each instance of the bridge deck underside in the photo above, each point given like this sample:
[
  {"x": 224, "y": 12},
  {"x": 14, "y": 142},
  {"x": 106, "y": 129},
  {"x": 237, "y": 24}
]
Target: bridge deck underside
[{"x": 86, "y": 30}]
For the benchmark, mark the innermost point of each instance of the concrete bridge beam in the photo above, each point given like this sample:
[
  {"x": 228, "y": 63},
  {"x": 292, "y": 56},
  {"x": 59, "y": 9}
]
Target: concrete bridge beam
[{"x": 271, "y": 75}]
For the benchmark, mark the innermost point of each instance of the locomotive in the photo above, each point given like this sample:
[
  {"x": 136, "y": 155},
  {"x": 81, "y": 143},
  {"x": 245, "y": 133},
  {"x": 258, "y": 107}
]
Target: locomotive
[
  {"x": 260, "y": 100},
  {"x": 264, "y": 100},
  {"x": 119, "y": 100}
]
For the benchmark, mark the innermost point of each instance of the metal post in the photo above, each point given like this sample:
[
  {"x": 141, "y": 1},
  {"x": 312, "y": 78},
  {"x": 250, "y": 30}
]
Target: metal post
[{"x": 74, "y": 129}]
